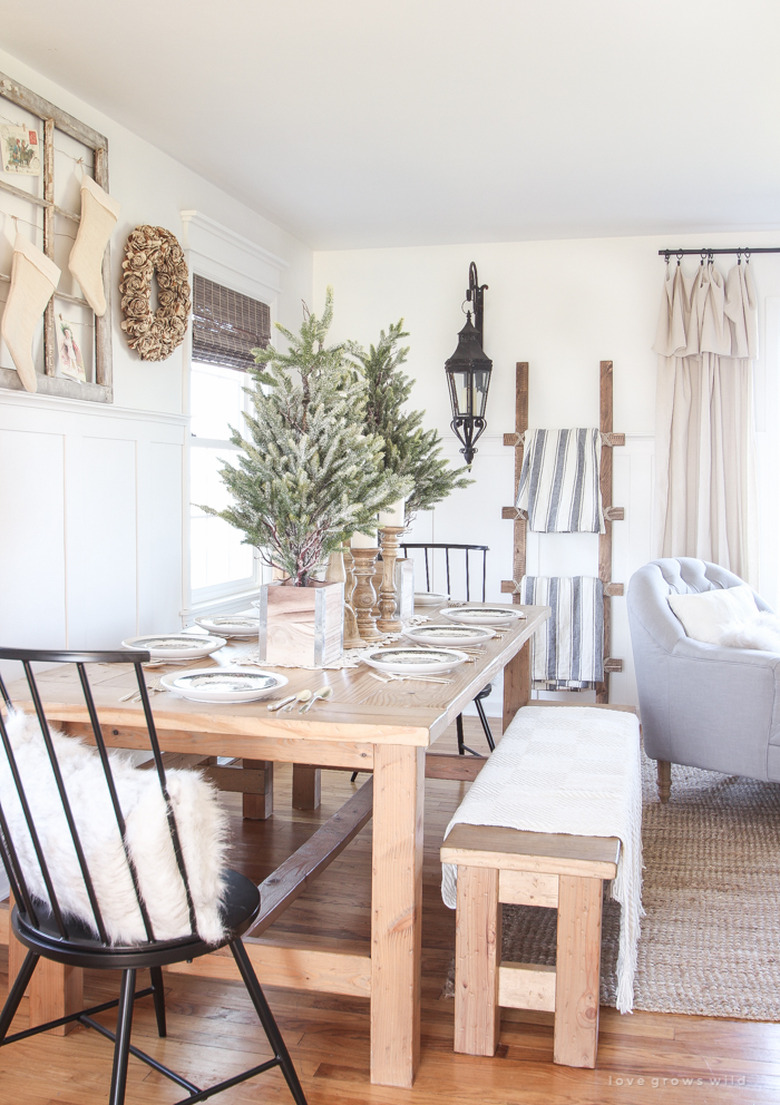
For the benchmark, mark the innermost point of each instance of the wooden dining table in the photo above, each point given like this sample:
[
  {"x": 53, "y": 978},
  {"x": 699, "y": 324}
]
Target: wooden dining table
[{"x": 384, "y": 729}]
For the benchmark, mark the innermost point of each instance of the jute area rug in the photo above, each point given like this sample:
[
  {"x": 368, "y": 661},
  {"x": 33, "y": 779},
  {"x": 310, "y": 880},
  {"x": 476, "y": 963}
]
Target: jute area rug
[{"x": 710, "y": 942}]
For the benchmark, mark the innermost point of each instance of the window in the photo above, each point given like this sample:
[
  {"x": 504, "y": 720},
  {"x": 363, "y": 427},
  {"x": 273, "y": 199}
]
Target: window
[{"x": 226, "y": 327}]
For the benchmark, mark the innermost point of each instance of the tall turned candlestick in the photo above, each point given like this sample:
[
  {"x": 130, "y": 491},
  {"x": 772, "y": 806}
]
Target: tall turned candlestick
[
  {"x": 352, "y": 638},
  {"x": 388, "y": 622},
  {"x": 364, "y": 595}
]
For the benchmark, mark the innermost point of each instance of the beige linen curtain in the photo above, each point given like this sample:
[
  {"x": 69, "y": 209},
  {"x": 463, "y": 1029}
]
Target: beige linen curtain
[{"x": 705, "y": 453}]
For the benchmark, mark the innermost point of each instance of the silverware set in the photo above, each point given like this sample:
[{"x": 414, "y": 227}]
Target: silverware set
[
  {"x": 391, "y": 677},
  {"x": 304, "y": 700}
]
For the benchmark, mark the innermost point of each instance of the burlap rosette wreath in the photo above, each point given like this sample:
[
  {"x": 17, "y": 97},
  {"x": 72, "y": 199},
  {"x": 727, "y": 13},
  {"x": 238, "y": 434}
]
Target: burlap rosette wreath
[{"x": 151, "y": 252}]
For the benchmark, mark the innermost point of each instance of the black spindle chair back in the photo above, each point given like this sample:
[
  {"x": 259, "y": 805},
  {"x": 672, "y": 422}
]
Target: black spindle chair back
[
  {"x": 68, "y": 927},
  {"x": 457, "y": 561},
  {"x": 47, "y": 926}
]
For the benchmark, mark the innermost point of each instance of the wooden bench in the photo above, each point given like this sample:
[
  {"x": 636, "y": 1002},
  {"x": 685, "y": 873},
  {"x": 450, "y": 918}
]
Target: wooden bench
[{"x": 497, "y": 865}]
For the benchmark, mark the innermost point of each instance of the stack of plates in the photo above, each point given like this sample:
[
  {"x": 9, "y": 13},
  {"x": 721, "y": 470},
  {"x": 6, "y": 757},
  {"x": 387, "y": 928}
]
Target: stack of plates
[
  {"x": 175, "y": 646},
  {"x": 231, "y": 625},
  {"x": 415, "y": 661},
  {"x": 480, "y": 614},
  {"x": 223, "y": 684},
  {"x": 447, "y": 634},
  {"x": 429, "y": 598}
]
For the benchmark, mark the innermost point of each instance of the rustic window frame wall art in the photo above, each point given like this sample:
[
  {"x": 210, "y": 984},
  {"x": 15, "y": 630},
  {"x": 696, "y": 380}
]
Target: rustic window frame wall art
[{"x": 45, "y": 209}]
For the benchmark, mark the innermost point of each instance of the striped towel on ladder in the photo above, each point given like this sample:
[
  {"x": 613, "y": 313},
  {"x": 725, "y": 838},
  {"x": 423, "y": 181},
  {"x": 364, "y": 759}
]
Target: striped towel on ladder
[
  {"x": 559, "y": 486},
  {"x": 568, "y": 650}
]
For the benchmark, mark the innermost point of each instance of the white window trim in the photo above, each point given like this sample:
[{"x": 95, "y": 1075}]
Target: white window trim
[{"x": 219, "y": 254}]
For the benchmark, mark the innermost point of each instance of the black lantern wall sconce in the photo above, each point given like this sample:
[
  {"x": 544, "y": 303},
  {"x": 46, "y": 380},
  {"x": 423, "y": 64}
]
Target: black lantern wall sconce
[{"x": 468, "y": 373}]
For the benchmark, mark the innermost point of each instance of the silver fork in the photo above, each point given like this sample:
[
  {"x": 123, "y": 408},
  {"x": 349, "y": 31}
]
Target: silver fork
[{"x": 391, "y": 677}]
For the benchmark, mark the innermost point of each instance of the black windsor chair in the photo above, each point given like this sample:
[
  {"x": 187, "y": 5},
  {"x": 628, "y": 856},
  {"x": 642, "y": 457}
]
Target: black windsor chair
[
  {"x": 457, "y": 561},
  {"x": 42, "y": 770}
]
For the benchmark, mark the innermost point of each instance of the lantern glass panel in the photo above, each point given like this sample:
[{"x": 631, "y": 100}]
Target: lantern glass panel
[
  {"x": 459, "y": 391},
  {"x": 481, "y": 377}
]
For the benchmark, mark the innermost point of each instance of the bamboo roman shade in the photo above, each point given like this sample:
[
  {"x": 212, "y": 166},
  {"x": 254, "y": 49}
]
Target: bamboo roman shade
[{"x": 226, "y": 325}]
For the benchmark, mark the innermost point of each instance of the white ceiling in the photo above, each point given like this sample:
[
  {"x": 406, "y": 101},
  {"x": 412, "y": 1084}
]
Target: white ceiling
[{"x": 364, "y": 123}]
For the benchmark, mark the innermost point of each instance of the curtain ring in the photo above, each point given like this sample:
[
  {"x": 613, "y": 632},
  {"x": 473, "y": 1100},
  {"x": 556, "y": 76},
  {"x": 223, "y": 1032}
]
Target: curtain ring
[
  {"x": 747, "y": 255},
  {"x": 703, "y": 257},
  {"x": 679, "y": 257}
]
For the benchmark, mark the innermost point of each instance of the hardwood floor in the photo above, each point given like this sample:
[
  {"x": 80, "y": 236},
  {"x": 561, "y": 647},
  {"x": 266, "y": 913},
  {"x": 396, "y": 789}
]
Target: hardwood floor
[{"x": 643, "y": 1058}]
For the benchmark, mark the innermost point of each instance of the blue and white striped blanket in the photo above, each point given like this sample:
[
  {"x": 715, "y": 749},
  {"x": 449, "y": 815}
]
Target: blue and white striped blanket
[
  {"x": 559, "y": 486},
  {"x": 568, "y": 650}
]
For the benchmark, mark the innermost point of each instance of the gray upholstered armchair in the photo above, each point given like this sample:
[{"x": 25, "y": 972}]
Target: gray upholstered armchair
[{"x": 700, "y": 704}]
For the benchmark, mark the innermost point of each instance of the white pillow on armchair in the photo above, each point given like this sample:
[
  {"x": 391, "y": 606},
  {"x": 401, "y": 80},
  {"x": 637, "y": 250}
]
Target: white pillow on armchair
[{"x": 707, "y": 615}]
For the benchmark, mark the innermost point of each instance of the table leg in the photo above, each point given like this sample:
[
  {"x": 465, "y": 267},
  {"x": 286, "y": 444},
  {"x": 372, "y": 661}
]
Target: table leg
[
  {"x": 259, "y": 805},
  {"x": 307, "y": 784},
  {"x": 517, "y": 683},
  {"x": 396, "y": 913}
]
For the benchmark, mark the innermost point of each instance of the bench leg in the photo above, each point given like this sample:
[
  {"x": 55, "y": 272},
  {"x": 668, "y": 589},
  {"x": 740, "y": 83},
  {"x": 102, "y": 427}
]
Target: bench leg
[
  {"x": 577, "y": 971},
  {"x": 477, "y": 957}
]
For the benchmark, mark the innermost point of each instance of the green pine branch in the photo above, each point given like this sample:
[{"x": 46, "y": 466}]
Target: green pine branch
[{"x": 411, "y": 452}]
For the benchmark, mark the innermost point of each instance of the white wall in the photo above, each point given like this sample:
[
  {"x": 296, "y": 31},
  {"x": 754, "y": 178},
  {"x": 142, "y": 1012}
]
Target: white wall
[
  {"x": 92, "y": 497},
  {"x": 563, "y": 306}
]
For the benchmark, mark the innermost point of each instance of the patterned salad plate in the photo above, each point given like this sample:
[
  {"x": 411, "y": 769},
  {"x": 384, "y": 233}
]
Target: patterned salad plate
[
  {"x": 176, "y": 646},
  {"x": 483, "y": 615},
  {"x": 231, "y": 625},
  {"x": 415, "y": 661},
  {"x": 448, "y": 634},
  {"x": 223, "y": 684}
]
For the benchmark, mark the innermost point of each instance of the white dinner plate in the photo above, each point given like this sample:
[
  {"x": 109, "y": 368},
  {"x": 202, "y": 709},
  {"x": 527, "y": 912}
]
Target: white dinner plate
[
  {"x": 415, "y": 661},
  {"x": 448, "y": 634},
  {"x": 176, "y": 646},
  {"x": 429, "y": 598},
  {"x": 231, "y": 625},
  {"x": 223, "y": 684},
  {"x": 483, "y": 615}
]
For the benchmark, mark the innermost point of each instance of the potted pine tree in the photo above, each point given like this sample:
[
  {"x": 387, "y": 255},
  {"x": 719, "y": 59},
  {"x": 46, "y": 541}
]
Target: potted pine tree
[
  {"x": 307, "y": 476},
  {"x": 410, "y": 452}
]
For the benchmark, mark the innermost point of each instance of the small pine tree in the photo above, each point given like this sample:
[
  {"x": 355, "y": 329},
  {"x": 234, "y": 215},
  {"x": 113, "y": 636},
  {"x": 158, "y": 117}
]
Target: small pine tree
[
  {"x": 307, "y": 474},
  {"x": 410, "y": 452}
]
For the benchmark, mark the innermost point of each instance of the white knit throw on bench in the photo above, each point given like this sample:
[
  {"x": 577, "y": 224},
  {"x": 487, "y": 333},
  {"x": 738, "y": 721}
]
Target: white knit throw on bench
[{"x": 569, "y": 769}]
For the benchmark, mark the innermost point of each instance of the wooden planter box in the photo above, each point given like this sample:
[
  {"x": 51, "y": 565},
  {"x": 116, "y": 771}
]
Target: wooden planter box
[{"x": 301, "y": 626}]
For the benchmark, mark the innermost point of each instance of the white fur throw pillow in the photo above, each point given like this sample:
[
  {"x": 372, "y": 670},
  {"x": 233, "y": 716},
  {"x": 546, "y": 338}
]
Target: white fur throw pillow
[
  {"x": 706, "y": 615},
  {"x": 201, "y": 821},
  {"x": 761, "y": 632}
]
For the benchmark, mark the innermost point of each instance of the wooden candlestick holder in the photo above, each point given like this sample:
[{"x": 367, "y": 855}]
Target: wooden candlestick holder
[
  {"x": 388, "y": 621},
  {"x": 364, "y": 595},
  {"x": 352, "y": 638}
]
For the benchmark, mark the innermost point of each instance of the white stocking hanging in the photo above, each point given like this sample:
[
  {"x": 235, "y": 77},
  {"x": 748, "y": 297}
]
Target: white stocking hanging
[
  {"x": 99, "y": 213},
  {"x": 33, "y": 280}
]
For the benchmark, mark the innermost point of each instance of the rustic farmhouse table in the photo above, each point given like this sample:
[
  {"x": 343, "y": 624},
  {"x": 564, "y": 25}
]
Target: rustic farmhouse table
[{"x": 382, "y": 729}]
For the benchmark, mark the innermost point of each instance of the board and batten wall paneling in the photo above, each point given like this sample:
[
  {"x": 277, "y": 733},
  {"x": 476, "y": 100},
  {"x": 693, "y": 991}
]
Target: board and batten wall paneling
[
  {"x": 32, "y": 598},
  {"x": 161, "y": 518},
  {"x": 91, "y": 496},
  {"x": 101, "y": 578}
]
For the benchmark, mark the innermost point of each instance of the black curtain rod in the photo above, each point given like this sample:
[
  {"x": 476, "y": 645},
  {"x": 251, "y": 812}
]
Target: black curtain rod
[{"x": 707, "y": 252}]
